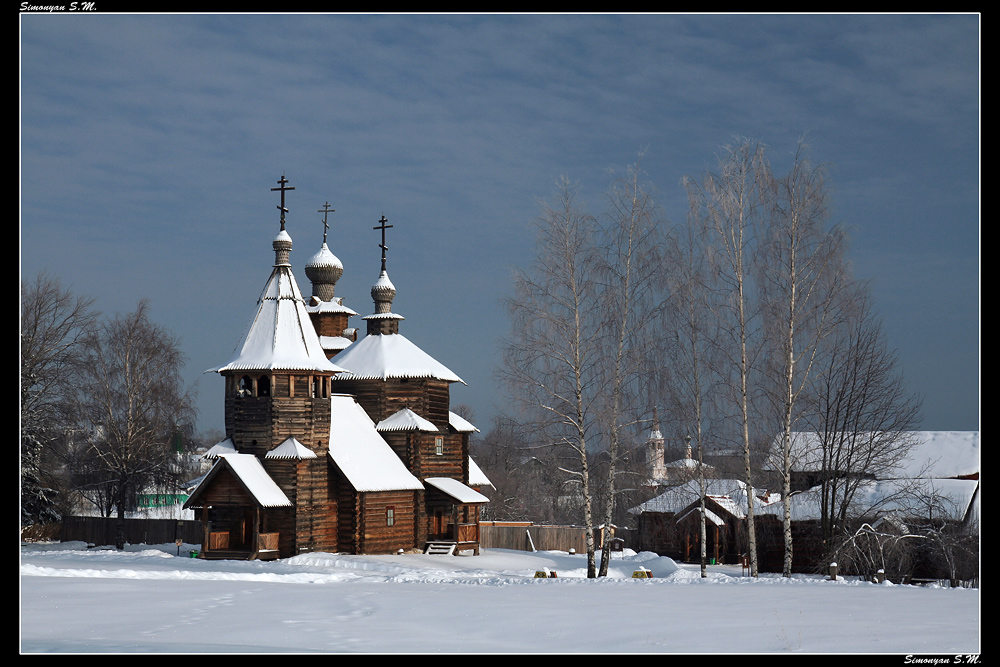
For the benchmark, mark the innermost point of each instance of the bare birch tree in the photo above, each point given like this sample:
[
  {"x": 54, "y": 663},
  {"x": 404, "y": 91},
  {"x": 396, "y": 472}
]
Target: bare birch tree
[
  {"x": 732, "y": 202},
  {"x": 130, "y": 399},
  {"x": 689, "y": 317},
  {"x": 803, "y": 279},
  {"x": 629, "y": 262},
  {"x": 551, "y": 360}
]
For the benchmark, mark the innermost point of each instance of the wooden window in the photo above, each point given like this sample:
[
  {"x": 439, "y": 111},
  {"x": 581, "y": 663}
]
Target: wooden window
[
  {"x": 439, "y": 446},
  {"x": 263, "y": 386},
  {"x": 390, "y": 516},
  {"x": 246, "y": 386}
]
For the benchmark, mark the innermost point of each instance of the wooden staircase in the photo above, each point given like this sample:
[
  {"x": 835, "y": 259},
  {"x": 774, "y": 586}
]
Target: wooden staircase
[{"x": 440, "y": 548}]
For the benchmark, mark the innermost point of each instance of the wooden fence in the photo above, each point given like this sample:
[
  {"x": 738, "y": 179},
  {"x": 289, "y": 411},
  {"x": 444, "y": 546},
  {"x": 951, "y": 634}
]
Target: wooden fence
[
  {"x": 525, "y": 537},
  {"x": 101, "y": 531}
]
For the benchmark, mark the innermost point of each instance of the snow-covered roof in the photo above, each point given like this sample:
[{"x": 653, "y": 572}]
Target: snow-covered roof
[
  {"x": 710, "y": 516},
  {"x": 385, "y": 356},
  {"x": 335, "y": 305},
  {"x": 405, "y": 420},
  {"x": 686, "y": 462},
  {"x": 219, "y": 448},
  {"x": 460, "y": 424},
  {"x": 291, "y": 449},
  {"x": 476, "y": 475},
  {"x": 913, "y": 498},
  {"x": 280, "y": 336},
  {"x": 360, "y": 452},
  {"x": 335, "y": 342},
  {"x": 251, "y": 474},
  {"x": 934, "y": 454},
  {"x": 456, "y": 490},
  {"x": 728, "y": 493}
]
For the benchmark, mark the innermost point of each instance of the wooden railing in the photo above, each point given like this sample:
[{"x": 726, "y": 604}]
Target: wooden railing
[
  {"x": 219, "y": 540},
  {"x": 267, "y": 542},
  {"x": 468, "y": 532}
]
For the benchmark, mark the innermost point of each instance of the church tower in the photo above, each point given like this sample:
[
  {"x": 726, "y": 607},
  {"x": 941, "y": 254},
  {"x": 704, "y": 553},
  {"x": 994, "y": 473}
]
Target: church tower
[
  {"x": 277, "y": 394},
  {"x": 406, "y": 392}
]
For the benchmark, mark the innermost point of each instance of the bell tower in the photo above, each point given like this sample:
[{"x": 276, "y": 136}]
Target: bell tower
[{"x": 278, "y": 382}]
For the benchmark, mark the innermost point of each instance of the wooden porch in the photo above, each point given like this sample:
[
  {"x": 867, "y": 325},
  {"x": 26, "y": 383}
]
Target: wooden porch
[
  {"x": 465, "y": 538},
  {"x": 218, "y": 547}
]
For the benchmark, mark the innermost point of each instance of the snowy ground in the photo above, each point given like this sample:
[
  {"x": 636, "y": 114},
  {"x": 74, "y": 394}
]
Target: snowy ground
[{"x": 150, "y": 600}]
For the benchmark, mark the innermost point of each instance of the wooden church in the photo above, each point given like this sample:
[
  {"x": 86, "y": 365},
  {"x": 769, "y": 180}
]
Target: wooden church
[{"x": 335, "y": 444}]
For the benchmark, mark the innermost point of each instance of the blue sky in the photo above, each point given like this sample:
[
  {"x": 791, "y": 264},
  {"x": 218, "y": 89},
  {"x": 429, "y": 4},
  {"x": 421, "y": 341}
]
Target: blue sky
[{"x": 149, "y": 144}]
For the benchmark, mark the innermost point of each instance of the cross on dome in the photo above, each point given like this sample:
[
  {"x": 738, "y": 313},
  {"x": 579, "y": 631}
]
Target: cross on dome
[
  {"x": 326, "y": 210},
  {"x": 383, "y": 246},
  {"x": 282, "y": 188}
]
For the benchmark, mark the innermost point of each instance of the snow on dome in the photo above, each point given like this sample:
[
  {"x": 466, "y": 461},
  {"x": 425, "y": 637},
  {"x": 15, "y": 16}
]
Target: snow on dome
[
  {"x": 291, "y": 449},
  {"x": 366, "y": 460},
  {"x": 404, "y": 420},
  {"x": 383, "y": 282},
  {"x": 381, "y": 357},
  {"x": 280, "y": 336},
  {"x": 323, "y": 259}
]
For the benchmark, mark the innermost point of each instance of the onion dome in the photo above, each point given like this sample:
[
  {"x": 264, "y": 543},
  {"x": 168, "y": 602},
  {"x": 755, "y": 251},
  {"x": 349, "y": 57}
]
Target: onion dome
[{"x": 323, "y": 270}]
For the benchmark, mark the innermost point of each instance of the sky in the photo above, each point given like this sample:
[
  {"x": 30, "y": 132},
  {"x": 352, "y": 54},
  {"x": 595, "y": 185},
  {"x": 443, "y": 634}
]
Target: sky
[{"x": 149, "y": 145}]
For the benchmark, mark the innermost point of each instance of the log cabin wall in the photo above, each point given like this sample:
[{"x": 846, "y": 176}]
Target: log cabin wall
[
  {"x": 295, "y": 406},
  {"x": 439, "y": 460},
  {"x": 383, "y": 398},
  {"x": 399, "y": 442},
  {"x": 316, "y": 508},
  {"x": 383, "y": 531},
  {"x": 347, "y": 506},
  {"x": 329, "y": 324}
]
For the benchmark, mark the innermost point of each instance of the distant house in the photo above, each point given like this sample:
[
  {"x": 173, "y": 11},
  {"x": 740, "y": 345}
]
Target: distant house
[
  {"x": 940, "y": 476},
  {"x": 932, "y": 455},
  {"x": 669, "y": 524},
  {"x": 938, "y": 481}
]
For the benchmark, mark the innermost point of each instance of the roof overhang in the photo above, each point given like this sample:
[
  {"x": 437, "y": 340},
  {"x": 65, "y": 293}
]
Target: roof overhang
[{"x": 455, "y": 489}]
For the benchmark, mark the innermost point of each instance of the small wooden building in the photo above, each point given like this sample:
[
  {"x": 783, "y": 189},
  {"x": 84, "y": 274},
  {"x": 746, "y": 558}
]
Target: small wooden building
[{"x": 357, "y": 455}]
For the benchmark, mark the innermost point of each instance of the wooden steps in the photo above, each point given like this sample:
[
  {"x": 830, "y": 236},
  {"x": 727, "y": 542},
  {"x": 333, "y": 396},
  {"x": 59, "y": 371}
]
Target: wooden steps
[{"x": 440, "y": 548}]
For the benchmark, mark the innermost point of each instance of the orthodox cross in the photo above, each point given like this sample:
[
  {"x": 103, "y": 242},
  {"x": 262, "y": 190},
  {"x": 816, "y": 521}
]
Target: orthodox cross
[
  {"x": 326, "y": 210},
  {"x": 283, "y": 189},
  {"x": 384, "y": 247}
]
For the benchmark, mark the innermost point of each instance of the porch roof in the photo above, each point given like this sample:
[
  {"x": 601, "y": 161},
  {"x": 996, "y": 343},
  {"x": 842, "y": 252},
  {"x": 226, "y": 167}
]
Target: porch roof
[
  {"x": 457, "y": 490},
  {"x": 249, "y": 472}
]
